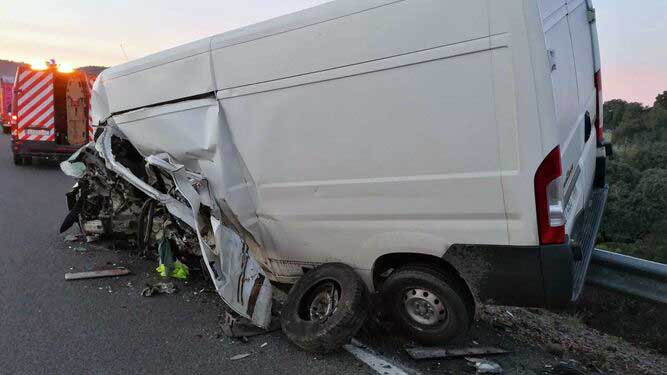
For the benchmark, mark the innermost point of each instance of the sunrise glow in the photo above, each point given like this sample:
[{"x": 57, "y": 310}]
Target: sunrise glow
[{"x": 631, "y": 36}]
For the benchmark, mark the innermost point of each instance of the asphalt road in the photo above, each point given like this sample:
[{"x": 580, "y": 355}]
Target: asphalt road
[{"x": 52, "y": 326}]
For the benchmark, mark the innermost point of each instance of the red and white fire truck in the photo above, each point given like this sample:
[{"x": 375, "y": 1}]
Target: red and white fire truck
[
  {"x": 6, "y": 93},
  {"x": 50, "y": 113}
]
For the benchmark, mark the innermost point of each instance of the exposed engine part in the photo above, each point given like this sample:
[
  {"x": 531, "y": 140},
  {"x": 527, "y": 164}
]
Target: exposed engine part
[{"x": 107, "y": 206}]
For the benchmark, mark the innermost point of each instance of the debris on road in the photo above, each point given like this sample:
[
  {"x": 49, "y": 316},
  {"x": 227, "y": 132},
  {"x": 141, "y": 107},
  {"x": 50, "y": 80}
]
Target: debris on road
[
  {"x": 238, "y": 327},
  {"x": 178, "y": 271},
  {"x": 74, "y": 238},
  {"x": 169, "y": 266},
  {"x": 433, "y": 353},
  {"x": 263, "y": 345},
  {"x": 240, "y": 356},
  {"x": 97, "y": 274},
  {"x": 158, "y": 288},
  {"x": 485, "y": 366}
]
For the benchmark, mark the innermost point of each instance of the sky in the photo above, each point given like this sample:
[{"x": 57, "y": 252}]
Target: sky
[{"x": 633, "y": 33}]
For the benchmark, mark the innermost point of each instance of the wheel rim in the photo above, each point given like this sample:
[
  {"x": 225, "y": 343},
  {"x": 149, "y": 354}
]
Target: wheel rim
[
  {"x": 323, "y": 301},
  {"x": 424, "y": 307}
]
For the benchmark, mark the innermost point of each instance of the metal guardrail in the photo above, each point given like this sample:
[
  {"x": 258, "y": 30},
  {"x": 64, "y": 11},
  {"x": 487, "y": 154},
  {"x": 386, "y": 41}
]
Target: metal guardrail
[{"x": 632, "y": 276}]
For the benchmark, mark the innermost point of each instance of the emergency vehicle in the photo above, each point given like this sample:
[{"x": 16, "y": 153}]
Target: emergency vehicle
[
  {"x": 6, "y": 93},
  {"x": 51, "y": 113}
]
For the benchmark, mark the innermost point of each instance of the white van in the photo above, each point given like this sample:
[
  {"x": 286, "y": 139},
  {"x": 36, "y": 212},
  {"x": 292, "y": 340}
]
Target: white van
[{"x": 450, "y": 151}]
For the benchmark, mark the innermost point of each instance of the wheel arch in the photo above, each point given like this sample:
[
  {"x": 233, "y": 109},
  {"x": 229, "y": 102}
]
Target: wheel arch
[{"x": 383, "y": 266}]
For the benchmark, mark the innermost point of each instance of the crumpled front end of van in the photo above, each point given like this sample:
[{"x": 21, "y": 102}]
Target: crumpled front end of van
[{"x": 148, "y": 198}]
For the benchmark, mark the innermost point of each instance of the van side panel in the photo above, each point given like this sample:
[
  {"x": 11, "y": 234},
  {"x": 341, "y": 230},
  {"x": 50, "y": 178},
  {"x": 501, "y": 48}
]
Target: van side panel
[
  {"x": 385, "y": 151},
  {"x": 523, "y": 102}
]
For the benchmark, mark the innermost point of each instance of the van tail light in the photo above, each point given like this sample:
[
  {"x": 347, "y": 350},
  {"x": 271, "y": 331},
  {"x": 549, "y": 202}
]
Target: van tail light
[
  {"x": 599, "y": 131},
  {"x": 549, "y": 200}
]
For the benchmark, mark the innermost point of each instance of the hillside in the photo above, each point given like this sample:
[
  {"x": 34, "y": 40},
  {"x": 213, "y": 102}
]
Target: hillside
[{"x": 635, "y": 221}]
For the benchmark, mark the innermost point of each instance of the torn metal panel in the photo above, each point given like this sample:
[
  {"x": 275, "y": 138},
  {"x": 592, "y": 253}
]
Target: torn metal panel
[
  {"x": 174, "y": 206},
  {"x": 97, "y": 274},
  {"x": 237, "y": 276},
  {"x": 433, "y": 353}
]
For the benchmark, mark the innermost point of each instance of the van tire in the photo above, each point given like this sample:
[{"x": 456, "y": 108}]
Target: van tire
[
  {"x": 339, "y": 323},
  {"x": 6, "y": 130},
  {"x": 434, "y": 290},
  {"x": 18, "y": 160}
]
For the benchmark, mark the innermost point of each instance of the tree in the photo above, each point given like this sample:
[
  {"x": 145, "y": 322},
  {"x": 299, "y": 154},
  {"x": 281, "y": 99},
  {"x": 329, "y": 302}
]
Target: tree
[
  {"x": 661, "y": 101},
  {"x": 631, "y": 125},
  {"x": 635, "y": 220},
  {"x": 613, "y": 113},
  {"x": 652, "y": 189},
  {"x": 656, "y": 121},
  {"x": 647, "y": 156}
]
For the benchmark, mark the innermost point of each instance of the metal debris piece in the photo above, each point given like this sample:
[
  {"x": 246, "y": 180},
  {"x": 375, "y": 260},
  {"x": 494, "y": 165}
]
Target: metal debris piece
[
  {"x": 432, "y": 353},
  {"x": 485, "y": 366},
  {"x": 97, "y": 274},
  {"x": 73, "y": 238},
  {"x": 240, "y": 356},
  {"x": 158, "y": 288},
  {"x": 238, "y": 327},
  {"x": 378, "y": 363}
]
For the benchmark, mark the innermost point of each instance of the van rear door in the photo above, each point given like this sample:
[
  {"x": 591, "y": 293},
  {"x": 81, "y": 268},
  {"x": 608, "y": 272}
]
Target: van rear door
[{"x": 572, "y": 48}]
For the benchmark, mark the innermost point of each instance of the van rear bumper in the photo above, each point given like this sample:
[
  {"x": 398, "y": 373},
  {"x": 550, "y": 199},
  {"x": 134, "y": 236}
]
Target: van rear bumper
[
  {"x": 532, "y": 276},
  {"x": 43, "y": 149}
]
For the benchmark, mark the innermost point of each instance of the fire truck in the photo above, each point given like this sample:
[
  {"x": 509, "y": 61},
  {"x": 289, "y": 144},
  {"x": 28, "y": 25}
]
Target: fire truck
[
  {"x": 51, "y": 112},
  {"x": 6, "y": 93}
]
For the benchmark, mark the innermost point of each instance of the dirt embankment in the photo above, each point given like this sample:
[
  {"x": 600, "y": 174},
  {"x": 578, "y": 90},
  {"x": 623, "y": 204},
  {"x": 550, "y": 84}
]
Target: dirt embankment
[
  {"x": 641, "y": 323},
  {"x": 568, "y": 337}
]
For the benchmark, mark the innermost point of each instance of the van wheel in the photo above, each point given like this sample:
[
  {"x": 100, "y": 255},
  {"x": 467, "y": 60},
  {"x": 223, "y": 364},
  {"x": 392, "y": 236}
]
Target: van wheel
[
  {"x": 6, "y": 130},
  {"x": 427, "y": 304},
  {"x": 18, "y": 160},
  {"x": 325, "y": 308}
]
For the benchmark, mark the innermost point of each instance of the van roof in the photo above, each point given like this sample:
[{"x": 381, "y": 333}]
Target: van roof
[{"x": 300, "y": 19}]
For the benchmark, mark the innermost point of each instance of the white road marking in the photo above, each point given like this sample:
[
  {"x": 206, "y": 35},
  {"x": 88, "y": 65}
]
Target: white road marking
[{"x": 374, "y": 361}]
